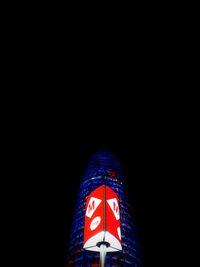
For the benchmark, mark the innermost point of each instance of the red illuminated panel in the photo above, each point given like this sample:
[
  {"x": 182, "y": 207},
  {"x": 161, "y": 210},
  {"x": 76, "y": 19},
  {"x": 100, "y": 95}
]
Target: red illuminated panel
[
  {"x": 94, "y": 219},
  {"x": 113, "y": 230},
  {"x": 102, "y": 220}
]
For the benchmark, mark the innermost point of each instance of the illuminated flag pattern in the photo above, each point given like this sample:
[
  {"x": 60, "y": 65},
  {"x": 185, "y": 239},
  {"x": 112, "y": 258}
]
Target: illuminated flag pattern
[
  {"x": 104, "y": 224},
  {"x": 103, "y": 169}
]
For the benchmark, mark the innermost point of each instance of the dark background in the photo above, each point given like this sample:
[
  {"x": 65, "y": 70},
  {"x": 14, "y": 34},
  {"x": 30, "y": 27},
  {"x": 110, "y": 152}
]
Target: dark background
[
  {"x": 55, "y": 136},
  {"x": 116, "y": 91},
  {"x": 125, "y": 102}
]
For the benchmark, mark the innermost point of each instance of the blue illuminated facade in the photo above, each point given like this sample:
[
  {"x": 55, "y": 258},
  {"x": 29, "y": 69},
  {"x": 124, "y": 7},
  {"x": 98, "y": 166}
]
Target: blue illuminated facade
[{"x": 103, "y": 168}]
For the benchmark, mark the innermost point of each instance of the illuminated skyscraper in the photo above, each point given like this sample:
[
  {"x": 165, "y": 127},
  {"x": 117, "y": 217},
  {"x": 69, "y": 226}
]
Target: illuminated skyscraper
[{"x": 104, "y": 168}]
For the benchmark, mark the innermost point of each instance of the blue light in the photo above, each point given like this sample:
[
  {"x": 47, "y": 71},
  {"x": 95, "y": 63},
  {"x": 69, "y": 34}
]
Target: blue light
[{"x": 103, "y": 168}]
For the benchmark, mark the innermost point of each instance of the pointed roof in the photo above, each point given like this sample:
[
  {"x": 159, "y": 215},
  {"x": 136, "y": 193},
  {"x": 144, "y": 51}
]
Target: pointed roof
[{"x": 103, "y": 163}]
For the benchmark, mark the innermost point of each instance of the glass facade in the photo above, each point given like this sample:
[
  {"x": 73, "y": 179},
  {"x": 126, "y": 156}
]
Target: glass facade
[{"x": 103, "y": 168}]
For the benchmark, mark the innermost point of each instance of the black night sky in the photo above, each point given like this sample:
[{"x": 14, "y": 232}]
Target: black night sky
[{"x": 115, "y": 96}]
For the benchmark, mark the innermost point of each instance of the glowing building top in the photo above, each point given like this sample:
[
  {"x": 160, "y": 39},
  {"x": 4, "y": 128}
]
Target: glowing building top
[
  {"x": 104, "y": 164},
  {"x": 104, "y": 169}
]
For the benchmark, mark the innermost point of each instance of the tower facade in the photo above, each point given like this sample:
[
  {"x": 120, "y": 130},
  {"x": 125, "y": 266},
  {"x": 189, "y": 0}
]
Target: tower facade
[{"x": 103, "y": 169}]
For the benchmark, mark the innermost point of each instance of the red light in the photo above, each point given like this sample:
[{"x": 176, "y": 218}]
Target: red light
[{"x": 102, "y": 220}]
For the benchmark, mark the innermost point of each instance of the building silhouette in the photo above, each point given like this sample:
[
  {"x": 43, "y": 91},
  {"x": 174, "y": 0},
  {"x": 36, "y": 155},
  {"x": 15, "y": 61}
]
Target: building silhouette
[{"x": 104, "y": 168}]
